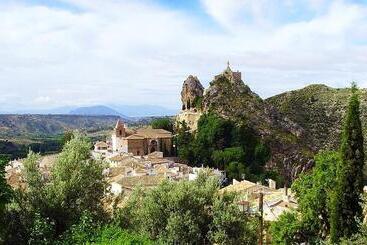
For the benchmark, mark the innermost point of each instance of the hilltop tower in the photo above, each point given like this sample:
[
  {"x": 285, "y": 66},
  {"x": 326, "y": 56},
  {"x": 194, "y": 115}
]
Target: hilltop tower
[{"x": 235, "y": 76}]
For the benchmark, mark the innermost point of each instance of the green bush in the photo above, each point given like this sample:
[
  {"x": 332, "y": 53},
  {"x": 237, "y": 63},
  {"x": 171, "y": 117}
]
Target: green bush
[
  {"x": 223, "y": 144},
  {"x": 162, "y": 123},
  {"x": 50, "y": 206},
  {"x": 187, "y": 212}
]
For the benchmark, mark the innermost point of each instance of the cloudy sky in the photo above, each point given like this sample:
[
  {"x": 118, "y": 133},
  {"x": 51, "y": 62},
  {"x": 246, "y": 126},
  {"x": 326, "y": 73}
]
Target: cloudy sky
[{"x": 83, "y": 52}]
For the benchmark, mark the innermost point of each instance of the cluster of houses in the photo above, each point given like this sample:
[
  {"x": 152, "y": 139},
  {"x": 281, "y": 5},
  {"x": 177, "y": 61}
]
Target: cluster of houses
[
  {"x": 126, "y": 171},
  {"x": 141, "y": 158},
  {"x": 274, "y": 201}
]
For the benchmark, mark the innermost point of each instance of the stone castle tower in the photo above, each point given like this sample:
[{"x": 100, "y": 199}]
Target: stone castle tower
[{"x": 234, "y": 76}]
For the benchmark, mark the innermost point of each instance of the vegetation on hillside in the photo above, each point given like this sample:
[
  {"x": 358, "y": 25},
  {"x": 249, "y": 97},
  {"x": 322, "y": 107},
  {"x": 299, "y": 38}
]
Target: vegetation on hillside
[
  {"x": 329, "y": 197},
  {"x": 162, "y": 123},
  {"x": 223, "y": 144},
  {"x": 319, "y": 110}
]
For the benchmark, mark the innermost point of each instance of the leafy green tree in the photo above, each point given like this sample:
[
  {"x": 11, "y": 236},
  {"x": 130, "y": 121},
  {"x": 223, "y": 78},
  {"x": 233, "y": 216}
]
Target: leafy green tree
[
  {"x": 184, "y": 212},
  {"x": 359, "y": 238},
  {"x": 162, "y": 123},
  {"x": 237, "y": 170},
  {"x": 230, "y": 225},
  {"x": 184, "y": 140},
  {"x": 66, "y": 137},
  {"x": 312, "y": 191},
  {"x": 52, "y": 203},
  {"x": 42, "y": 231},
  {"x": 221, "y": 158},
  {"x": 286, "y": 230},
  {"x": 83, "y": 231},
  {"x": 221, "y": 143},
  {"x": 76, "y": 185},
  {"x": 346, "y": 201}
]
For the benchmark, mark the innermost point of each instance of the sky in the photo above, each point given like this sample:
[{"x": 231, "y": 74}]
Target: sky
[{"x": 57, "y": 53}]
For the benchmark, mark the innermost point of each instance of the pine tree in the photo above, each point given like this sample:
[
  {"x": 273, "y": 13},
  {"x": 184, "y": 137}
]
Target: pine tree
[{"x": 346, "y": 199}]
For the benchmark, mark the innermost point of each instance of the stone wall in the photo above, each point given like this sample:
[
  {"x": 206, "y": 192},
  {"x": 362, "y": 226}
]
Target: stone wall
[
  {"x": 190, "y": 117},
  {"x": 137, "y": 147}
]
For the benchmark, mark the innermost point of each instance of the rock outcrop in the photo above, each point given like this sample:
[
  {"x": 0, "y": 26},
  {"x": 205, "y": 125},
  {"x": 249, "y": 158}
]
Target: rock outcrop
[
  {"x": 295, "y": 125},
  {"x": 231, "y": 98},
  {"x": 192, "y": 92}
]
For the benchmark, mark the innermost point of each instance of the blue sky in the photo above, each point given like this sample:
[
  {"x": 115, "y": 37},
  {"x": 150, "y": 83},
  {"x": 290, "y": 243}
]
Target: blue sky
[{"x": 85, "y": 52}]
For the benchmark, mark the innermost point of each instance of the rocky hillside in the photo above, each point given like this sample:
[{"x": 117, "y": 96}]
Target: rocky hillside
[
  {"x": 229, "y": 97},
  {"x": 13, "y": 126},
  {"x": 319, "y": 110}
]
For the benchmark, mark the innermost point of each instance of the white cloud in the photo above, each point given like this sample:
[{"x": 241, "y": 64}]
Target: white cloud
[{"x": 138, "y": 52}]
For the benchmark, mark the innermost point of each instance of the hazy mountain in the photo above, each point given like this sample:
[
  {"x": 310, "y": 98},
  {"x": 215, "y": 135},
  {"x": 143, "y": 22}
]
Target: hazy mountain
[
  {"x": 57, "y": 110},
  {"x": 117, "y": 110},
  {"x": 13, "y": 126},
  {"x": 98, "y": 110},
  {"x": 143, "y": 110}
]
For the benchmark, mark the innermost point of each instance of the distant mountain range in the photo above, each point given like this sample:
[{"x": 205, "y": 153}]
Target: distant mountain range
[
  {"x": 99, "y": 110},
  {"x": 124, "y": 111}
]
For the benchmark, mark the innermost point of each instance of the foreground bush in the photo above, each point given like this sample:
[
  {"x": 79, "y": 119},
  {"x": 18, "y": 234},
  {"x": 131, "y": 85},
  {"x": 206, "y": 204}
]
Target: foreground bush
[
  {"x": 188, "y": 212},
  {"x": 51, "y": 204}
]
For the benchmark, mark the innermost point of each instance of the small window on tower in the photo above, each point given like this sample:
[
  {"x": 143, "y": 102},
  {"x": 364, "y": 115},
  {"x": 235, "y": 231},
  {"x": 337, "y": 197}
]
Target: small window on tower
[{"x": 120, "y": 132}]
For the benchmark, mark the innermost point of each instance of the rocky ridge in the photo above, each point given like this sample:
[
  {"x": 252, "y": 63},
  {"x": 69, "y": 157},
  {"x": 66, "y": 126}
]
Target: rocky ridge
[
  {"x": 319, "y": 110},
  {"x": 231, "y": 98}
]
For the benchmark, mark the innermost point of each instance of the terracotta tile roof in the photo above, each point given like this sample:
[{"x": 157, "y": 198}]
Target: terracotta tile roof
[
  {"x": 244, "y": 185},
  {"x": 135, "y": 137},
  {"x": 154, "y": 133}
]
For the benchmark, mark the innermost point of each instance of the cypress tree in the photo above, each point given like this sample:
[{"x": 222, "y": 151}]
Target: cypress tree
[{"x": 346, "y": 207}]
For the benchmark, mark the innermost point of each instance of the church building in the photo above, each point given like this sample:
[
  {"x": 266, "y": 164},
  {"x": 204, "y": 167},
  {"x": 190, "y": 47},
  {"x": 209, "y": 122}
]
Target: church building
[{"x": 141, "y": 141}]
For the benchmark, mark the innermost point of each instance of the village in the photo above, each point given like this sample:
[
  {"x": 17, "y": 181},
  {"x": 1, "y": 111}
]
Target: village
[{"x": 137, "y": 158}]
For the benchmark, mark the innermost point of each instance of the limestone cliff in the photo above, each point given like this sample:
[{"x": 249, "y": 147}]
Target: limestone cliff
[
  {"x": 191, "y": 98},
  {"x": 231, "y": 98},
  {"x": 191, "y": 94}
]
